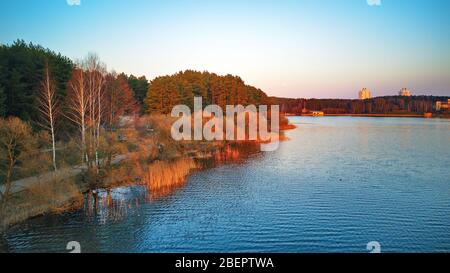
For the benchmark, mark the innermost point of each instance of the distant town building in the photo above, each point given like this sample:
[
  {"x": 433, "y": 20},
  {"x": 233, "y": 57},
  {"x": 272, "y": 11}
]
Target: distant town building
[
  {"x": 365, "y": 94},
  {"x": 318, "y": 113},
  {"x": 442, "y": 105},
  {"x": 405, "y": 93}
]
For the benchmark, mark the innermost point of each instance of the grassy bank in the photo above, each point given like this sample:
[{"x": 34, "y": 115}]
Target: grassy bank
[
  {"x": 161, "y": 174},
  {"x": 56, "y": 195}
]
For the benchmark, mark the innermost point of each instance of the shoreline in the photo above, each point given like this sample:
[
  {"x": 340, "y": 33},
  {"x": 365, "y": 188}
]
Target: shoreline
[
  {"x": 73, "y": 200},
  {"x": 377, "y": 115},
  {"x": 371, "y": 115}
]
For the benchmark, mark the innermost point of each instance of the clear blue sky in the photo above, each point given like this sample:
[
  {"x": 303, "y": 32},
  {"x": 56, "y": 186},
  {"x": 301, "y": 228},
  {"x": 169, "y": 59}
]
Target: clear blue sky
[{"x": 315, "y": 48}]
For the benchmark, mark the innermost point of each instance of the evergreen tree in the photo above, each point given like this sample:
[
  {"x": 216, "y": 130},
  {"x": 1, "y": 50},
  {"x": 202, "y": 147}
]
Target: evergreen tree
[
  {"x": 21, "y": 72},
  {"x": 18, "y": 98},
  {"x": 181, "y": 88},
  {"x": 2, "y": 102},
  {"x": 139, "y": 87}
]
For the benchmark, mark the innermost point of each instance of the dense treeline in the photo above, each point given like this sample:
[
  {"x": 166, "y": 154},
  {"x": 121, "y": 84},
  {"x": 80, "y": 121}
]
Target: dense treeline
[
  {"x": 379, "y": 105},
  {"x": 140, "y": 87},
  {"x": 64, "y": 103},
  {"x": 168, "y": 91},
  {"x": 21, "y": 72},
  {"x": 2, "y": 102}
]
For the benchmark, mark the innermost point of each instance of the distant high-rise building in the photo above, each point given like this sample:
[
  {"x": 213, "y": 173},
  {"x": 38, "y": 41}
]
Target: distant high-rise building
[
  {"x": 405, "y": 93},
  {"x": 365, "y": 94},
  {"x": 442, "y": 105}
]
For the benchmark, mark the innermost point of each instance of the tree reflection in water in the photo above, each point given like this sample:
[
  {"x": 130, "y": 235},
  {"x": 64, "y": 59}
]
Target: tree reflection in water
[{"x": 158, "y": 180}]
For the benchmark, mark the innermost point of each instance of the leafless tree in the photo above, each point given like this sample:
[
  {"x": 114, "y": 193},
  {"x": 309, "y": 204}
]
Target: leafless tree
[
  {"x": 78, "y": 106},
  {"x": 48, "y": 106},
  {"x": 96, "y": 72},
  {"x": 86, "y": 105}
]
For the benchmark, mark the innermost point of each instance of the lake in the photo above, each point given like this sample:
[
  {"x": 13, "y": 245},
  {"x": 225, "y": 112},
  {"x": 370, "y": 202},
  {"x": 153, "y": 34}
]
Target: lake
[{"x": 337, "y": 184}]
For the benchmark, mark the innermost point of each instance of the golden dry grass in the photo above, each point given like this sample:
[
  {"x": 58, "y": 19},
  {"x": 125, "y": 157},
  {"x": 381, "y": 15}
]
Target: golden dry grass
[
  {"x": 54, "y": 196},
  {"x": 163, "y": 177},
  {"x": 56, "y": 193}
]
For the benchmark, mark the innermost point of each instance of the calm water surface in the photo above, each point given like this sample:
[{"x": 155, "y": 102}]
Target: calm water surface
[{"x": 339, "y": 183}]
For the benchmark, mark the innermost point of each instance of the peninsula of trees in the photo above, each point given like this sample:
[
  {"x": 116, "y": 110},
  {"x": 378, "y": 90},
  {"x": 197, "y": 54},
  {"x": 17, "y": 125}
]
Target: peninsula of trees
[{"x": 168, "y": 91}]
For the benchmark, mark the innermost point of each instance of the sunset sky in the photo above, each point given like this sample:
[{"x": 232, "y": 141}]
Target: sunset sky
[{"x": 316, "y": 48}]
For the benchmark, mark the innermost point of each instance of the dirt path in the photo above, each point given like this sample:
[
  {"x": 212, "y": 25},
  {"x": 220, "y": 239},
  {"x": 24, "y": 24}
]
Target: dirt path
[{"x": 22, "y": 184}]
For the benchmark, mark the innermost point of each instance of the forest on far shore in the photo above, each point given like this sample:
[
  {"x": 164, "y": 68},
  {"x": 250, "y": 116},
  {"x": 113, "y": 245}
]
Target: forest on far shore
[{"x": 379, "y": 105}]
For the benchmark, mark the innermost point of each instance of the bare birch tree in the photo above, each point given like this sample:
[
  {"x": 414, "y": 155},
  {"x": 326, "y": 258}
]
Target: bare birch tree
[
  {"x": 96, "y": 72},
  {"x": 78, "y": 106},
  {"x": 86, "y": 105},
  {"x": 48, "y": 106}
]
